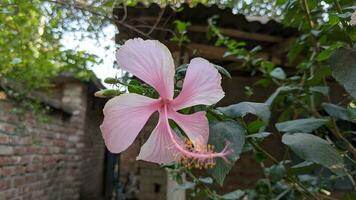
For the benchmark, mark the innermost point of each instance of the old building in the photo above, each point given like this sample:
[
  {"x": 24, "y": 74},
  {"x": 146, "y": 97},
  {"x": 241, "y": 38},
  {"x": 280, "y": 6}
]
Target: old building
[{"x": 60, "y": 155}]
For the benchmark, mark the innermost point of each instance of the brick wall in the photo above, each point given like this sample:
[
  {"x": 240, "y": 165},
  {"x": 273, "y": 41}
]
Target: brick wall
[{"x": 52, "y": 159}]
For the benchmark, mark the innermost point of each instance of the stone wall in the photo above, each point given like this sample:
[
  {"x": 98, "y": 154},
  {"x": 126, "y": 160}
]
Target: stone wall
[{"x": 53, "y": 157}]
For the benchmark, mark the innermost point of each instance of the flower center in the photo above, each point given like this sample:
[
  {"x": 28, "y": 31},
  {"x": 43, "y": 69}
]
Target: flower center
[{"x": 164, "y": 102}]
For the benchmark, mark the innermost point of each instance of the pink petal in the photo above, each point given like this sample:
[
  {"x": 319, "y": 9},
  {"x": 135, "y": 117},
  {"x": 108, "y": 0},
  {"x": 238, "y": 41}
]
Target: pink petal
[
  {"x": 150, "y": 61},
  {"x": 159, "y": 147},
  {"x": 124, "y": 117},
  {"x": 202, "y": 85},
  {"x": 195, "y": 126}
]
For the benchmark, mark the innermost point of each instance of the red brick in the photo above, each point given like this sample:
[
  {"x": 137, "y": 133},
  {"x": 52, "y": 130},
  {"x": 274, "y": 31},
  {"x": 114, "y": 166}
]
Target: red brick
[
  {"x": 4, "y": 184},
  {"x": 19, "y": 181},
  {"x": 4, "y": 139}
]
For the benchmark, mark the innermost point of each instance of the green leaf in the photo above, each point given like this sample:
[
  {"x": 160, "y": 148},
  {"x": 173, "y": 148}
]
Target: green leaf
[
  {"x": 222, "y": 133},
  {"x": 256, "y": 126},
  {"x": 343, "y": 68},
  {"x": 315, "y": 149},
  {"x": 237, "y": 194},
  {"x": 223, "y": 71},
  {"x": 259, "y": 135},
  {"x": 320, "y": 89},
  {"x": 301, "y": 125},
  {"x": 328, "y": 51},
  {"x": 182, "y": 26},
  {"x": 135, "y": 87},
  {"x": 294, "y": 52},
  {"x": 280, "y": 2},
  {"x": 275, "y": 172},
  {"x": 278, "y": 73},
  {"x": 333, "y": 19},
  {"x": 303, "y": 168},
  {"x": 241, "y": 109},
  {"x": 345, "y": 15},
  {"x": 182, "y": 68},
  {"x": 337, "y": 111},
  {"x": 110, "y": 80},
  {"x": 207, "y": 180},
  {"x": 184, "y": 186},
  {"x": 278, "y": 91}
]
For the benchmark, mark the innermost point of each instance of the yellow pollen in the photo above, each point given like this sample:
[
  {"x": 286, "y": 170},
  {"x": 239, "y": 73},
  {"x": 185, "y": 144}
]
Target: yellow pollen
[{"x": 189, "y": 162}]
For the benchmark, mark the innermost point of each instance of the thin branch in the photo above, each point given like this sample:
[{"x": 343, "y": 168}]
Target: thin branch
[
  {"x": 157, "y": 21},
  {"x": 125, "y": 14},
  {"x": 290, "y": 178},
  {"x": 113, "y": 20},
  {"x": 344, "y": 24}
]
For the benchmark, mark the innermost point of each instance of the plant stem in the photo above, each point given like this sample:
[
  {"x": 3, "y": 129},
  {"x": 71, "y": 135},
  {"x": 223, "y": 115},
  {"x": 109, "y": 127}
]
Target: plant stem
[
  {"x": 290, "y": 178},
  {"x": 307, "y": 10},
  {"x": 344, "y": 24},
  {"x": 336, "y": 131},
  {"x": 339, "y": 135},
  {"x": 189, "y": 173}
]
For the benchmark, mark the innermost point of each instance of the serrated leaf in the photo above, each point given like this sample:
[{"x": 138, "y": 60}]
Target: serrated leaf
[
  {"x": 315, "y": 149},
  {"x": 241, "y": 109},
  {"x": 301, "y": 125},
  {"x": 342, "y": 63},
  {"x": 222, "y": 133}
]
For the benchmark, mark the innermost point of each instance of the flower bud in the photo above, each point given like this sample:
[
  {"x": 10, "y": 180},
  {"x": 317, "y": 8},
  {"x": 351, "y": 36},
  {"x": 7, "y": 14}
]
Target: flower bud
[
  {"x": 111, "y": 81},
  {"x": 107, "y": 93}
]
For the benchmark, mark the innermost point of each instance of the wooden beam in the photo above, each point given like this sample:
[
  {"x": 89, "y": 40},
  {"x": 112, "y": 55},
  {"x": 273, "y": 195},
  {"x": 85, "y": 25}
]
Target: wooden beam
[
  {"x": 225, "y": 31},
  {"x": 239, "y": 34},
  {"x": 216, "y": 53}
]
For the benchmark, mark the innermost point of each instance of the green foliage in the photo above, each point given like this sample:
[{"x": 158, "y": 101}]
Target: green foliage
[
  {"x": 241, "y": 109},
  {"x": 181, "y": 28},
  {"x": 301, "y": 125},
  {"x": 323, "y": 48},
  {"x": 237, "y": 194},
  {"x": 223, "y": 133},
  {"x": 337, "y": 112},
  {"x": 312, "y": 148},
  {"x": 31, "y": 52},
  {"x": 343, "y": 68}
]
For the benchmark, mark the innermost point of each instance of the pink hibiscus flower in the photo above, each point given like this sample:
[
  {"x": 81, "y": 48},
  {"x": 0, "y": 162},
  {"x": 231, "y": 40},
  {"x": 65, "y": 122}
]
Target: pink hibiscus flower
[{"x": 125, "y": 115}]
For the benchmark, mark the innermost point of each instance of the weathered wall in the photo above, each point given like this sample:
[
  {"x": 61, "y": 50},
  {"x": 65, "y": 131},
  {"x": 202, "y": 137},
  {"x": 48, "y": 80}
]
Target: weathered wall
[
  {"x": 93, "y": 160},
  {"x": 142, "y": 180},
  {"x": 50, "y": 160}
]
